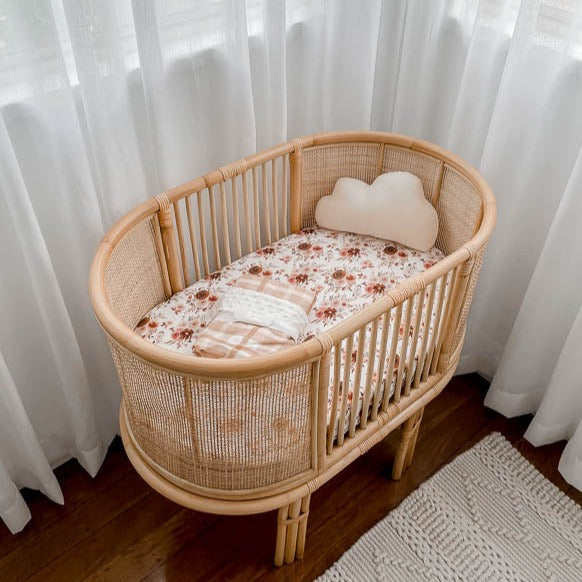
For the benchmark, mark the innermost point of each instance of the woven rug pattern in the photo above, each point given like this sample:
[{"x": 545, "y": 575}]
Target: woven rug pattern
[{"x": 488, "y": 515}]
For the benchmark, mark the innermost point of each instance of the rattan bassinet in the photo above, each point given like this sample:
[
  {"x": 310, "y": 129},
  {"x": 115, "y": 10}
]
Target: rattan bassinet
[{"x": 247, "y": 436}]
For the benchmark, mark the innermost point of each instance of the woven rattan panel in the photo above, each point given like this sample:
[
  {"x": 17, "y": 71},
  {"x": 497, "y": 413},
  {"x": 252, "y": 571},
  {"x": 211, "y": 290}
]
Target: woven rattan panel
[
  {"x": 133, "y": 276},
  {"x": 324, "y": 165},
  {"x": 459, "y": 209},
  {"x": 428, "y": 169},
  {"x": 223, "y": 434}
]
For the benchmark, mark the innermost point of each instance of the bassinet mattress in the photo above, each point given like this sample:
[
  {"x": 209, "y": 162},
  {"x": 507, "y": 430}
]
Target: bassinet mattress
[{"x": 347, "y": 272}]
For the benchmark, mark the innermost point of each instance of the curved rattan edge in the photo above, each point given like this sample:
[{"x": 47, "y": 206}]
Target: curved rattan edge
[
  {"x": 376, "y": 431},
  {"x": 311, "y": 349}
]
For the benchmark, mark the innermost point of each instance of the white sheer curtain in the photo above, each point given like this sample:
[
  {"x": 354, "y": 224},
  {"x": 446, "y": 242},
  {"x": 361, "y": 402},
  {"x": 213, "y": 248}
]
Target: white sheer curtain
[{"x": 106, "y": 102}]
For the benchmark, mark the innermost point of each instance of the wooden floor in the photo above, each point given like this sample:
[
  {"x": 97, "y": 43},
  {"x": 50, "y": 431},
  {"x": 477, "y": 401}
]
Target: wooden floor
[{"x": 114, "y": 527}]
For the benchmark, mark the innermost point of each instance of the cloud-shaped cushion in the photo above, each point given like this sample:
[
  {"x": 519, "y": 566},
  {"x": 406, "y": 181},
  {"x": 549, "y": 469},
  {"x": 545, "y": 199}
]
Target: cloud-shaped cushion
[{"x": 393, "y": 207}]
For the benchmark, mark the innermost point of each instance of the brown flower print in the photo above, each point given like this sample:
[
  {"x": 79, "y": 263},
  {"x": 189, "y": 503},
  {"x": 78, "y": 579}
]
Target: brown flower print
[
  {"x": 339, "y": 274},
  {"x": 326, "y": 313},
  {"x": 351, "y": 252},
  {"x": 184, "y": 333},
  {"x": 255, "y": 269},
  {"x": 390, "y": 250},
  {"x": 300, "y": 278},
  {"x": 304, "y": 246},
  {"x": 375, "y": 288},
  {"x": 202, "y": 294}
]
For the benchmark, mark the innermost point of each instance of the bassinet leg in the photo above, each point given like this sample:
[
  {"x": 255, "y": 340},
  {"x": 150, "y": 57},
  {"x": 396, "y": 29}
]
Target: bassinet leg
[
  {"x": 412, "y": 446},
  {"x": 407, "y": 444},
  {"x": 291, "y": 531}
]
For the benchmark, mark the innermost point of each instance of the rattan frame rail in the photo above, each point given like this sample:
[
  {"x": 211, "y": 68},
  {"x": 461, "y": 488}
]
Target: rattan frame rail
[{"x": 249, "y": 436}]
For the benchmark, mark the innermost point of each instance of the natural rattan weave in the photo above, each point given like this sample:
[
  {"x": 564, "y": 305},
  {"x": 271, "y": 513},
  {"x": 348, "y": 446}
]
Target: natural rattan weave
[
  {"x": 247, "y": 436},
  {"x": 133, "y": 277},
  {"x": 322, "y": 166},
  {"x": 427, "y": 168}
]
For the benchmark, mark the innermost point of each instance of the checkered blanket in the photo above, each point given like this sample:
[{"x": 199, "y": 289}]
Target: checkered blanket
[{"x": 235, "y": 334}]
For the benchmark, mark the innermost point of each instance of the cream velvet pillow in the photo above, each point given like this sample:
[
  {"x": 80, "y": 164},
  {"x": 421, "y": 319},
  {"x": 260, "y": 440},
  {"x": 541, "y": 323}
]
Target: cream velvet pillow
[{"x": 393, "y": 207}]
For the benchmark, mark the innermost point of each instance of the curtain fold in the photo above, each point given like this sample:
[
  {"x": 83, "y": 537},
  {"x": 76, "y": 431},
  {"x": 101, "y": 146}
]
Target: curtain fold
[
  {"x": 106, "y": 102},
  {"x": 541, "y": 365}
]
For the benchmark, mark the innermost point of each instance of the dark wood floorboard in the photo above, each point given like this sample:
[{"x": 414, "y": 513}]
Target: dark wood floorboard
[{"x": 114, "y": 527}]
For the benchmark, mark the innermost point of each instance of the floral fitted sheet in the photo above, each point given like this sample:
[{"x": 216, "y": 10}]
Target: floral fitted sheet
[{"x": 346, "y": 271}]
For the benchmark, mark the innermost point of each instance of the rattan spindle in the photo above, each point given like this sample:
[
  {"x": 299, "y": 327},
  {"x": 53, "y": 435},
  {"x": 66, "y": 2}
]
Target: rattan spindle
[
  {"x": 295, "y": 164},
  {"x": 224, "y": 215},
  {"x": 275, "y": 195},
  {"x": 236, "y": 218},
  {"x": 394, "y": 359},
  {"x": 402, "y": 363},
  {"x": 202, "y": 225},
  {"x": 413, "y": 351},
  {"x": 444, "y": 319},
  {"x": 247, "y": 213},
  {"x": 345, "y": 388},
  {"x": 443, "y": 282},
  {"x": 256, "y": 209},
  {"x": 168, "y": 235},
  {"x": 356, "y": 382},
  {"x": 162, "y": 257},
  {"x": 381, "y": 363},
  {"x": 369, "y": 374},
  {"x": 192, "y": 233},
  {"x": 213, "y": 220},
  {"x": 266, "y": 210},
  {"x": 285, "y": 191},
  {"x": 463, "y": 274},
  {"x": 429, "y": 298},
  {"x": 335, "y": 396}
]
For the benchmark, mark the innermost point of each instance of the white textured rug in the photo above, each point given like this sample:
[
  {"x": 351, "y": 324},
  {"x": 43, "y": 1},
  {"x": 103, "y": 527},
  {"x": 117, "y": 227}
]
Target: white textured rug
[{"x": 488, "y": 515}]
